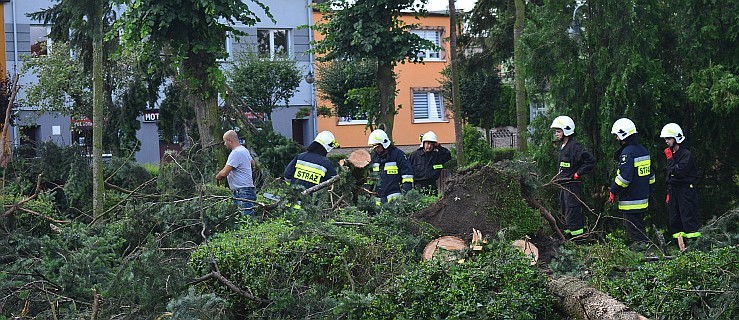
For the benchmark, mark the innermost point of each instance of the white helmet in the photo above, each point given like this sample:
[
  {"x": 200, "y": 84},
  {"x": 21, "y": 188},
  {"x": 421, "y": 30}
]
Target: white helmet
[
  {"x": 623, "y": 128},
  {"x": 565, "y": 123},
  {"x": 378, "y": 136},
  {"x": 429, "y": 136},
  {"x": 327, "y": 140},
  {"x": 673, "y": 130}
]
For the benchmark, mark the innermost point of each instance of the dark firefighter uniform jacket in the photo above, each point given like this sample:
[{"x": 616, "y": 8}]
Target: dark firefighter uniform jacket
[
  {"x": 391, "y": 173},
  {"x": 573, "y": 158},
  {"x": 309, "y": 169},
  {"x": 428, "y": 165},
  {"x": 633, "y": 178},
  {"x": 681, "y": 169}
]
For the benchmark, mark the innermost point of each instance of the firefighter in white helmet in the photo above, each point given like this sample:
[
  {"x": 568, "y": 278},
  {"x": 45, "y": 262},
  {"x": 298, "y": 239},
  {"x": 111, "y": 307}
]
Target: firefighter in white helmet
[
  {"x": 682, "y": 176},
  {"x": 574, "y": 162},
  {"x": 312, "y": 167},
  {"x": 391, "y": 172},
  {"x": 632, "y": 182},
  {"x": 427, "y": 162}
]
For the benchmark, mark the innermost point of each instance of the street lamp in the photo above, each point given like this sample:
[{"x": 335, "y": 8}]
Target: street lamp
[
  {"x": 574, "y": 29},
  {"x": 311, "y": 79}
]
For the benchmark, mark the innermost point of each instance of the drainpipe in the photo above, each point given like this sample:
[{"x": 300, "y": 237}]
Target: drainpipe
[
  {"x": 16, "y": 135},
  {"x": 314, "y": 108}
]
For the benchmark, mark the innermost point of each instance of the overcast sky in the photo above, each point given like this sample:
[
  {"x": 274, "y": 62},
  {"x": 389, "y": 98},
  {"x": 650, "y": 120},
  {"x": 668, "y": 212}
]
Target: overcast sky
[{"x": 465, "y": 5}]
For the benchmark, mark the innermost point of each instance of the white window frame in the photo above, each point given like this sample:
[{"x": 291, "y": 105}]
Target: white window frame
[
  {"x": 437, "y": 114},
  {"x": 288, "y": 49},
  {"x": 347, "y": 121},
  {"x": 434, "y": 36}
]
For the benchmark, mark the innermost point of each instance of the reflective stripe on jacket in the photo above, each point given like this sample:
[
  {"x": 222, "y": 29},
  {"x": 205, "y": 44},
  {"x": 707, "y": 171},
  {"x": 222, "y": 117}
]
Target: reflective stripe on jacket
[
  {"x": 309, "y": 169},
  {"x": 573, "y": 158},
  {"x": 428, "y": 165},
  {"x": 633, "y": 178},
  {"x": 392, "y": 172}
]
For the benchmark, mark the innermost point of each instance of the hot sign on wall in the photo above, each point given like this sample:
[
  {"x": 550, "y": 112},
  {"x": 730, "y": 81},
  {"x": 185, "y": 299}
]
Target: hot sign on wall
[{"x": 151, "y": 116}]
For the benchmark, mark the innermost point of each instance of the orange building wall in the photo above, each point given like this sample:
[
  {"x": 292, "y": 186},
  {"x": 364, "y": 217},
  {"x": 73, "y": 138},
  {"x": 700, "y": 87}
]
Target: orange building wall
[{"x": 409, "y": 75}]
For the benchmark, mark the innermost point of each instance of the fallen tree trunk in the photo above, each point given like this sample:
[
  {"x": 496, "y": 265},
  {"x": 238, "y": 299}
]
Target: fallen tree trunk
[
  {"x": 580, "y": 301},
  {"x": 544, "y": 212}
]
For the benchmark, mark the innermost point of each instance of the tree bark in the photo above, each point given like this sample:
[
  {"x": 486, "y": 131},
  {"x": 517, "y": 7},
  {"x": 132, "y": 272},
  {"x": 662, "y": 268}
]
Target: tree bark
[
  {"x": 386, "y": 86},
  {"x": 98, "y": 96},
  {"x": 6, "y": 153},
  {"x": 522, "y": 114},
  {"x": 202, "y": 96},
  {"x": 580, "y": 301},
  {"x": 461, "y": 161}
]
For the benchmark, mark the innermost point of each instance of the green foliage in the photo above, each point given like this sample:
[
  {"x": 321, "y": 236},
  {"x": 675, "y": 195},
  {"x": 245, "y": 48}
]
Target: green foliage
[
  {"x": 129, "y": 175},
  {"x": 275, "y": 150},
  {"x": 260, "y": 84},
  {"x": 486, "y": 102},
  {"x": 192, "y": 32},
  {"x": 695, "y": 285},
  {"x": 78, "y": 188},
  {"x": 515, "y": 217},
  {"x": 124, "y": 117},
  {"x": 152, "y": 169},
  {"x": 135, "y": 256},
  {"x": 597, "y": 262},
  {"x": 321, "y": 259},
  {"x": 177, "y": 115},
  {"x": 665, "y": 62},
  {"x": 370, "y": 29},
  {"x": 478, "y": 150},
  {"x": 721, "y": 231},
  {"x": 60, "y": 77},
  {"x": 194, "y": 306},
  {"x": 496, "y": 284},
  {"x": 339, "y": 77}
]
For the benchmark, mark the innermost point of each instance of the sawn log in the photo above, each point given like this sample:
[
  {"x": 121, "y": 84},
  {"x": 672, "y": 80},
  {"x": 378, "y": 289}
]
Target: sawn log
[{"x": 580, "y": 301}]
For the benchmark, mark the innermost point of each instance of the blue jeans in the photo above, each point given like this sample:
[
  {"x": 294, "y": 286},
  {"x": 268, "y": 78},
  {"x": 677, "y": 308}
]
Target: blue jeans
[{"x": 249, "y": 193}]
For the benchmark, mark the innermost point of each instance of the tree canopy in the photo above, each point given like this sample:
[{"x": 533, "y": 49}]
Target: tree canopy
[
  {"x": 372, "y": 29},
  {"x": 263, "y": 84},
  {"x": 187, "y": 38}
]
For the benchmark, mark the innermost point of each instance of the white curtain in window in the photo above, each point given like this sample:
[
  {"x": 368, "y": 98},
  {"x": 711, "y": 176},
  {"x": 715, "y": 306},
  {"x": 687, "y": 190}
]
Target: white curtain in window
[
  {"x": 427, "y": 106},
  {"x": 433, "y": 36}
]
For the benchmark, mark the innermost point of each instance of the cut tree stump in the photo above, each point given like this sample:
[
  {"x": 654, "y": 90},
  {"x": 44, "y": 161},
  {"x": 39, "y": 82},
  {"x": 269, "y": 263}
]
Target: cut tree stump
[
  {"x": 580, "y": 301},
  {"x": 450, "y": 243},
  {"x": 358, "y": 158},
  {"x": 528, "y": 249}
]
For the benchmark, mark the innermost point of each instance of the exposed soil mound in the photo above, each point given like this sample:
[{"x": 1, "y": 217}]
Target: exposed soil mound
[
  {"x": 487, "y": 198},
  {"x": 464, "y": 203}
]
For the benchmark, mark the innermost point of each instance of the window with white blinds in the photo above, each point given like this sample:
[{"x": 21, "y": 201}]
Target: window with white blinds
[
  {"x": 427, "y": 106},
  {"x": 433, "y": 36}
]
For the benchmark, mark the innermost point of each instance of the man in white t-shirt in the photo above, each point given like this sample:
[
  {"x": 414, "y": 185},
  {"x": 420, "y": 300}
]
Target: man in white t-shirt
[{"x": 238, "y": 172}]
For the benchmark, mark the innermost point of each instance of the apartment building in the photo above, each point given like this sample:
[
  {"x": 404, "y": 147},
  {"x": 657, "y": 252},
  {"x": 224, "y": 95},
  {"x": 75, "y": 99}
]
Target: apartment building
[
  {"x": 23, "y": 36},
  {"x": 419, "y": 93}
]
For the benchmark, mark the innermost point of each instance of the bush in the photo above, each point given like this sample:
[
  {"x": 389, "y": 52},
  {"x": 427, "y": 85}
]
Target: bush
[
  {"x": 128, "y": 175},
  {"x": 275, "y": 151},
  {"x": 695, "y": 285},
  {"x": 497, "y": 284},
  {"x": 478, "y": 150},
  {"x": 302, "y": 268}
]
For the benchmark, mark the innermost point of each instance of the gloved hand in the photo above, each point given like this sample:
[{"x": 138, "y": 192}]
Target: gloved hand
[
  {"x": 668, "y": 153},
  {"x": 576, "y": 176},
  {"x": 667, "y": 198},
  {"x": 611, "y": 197}
]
